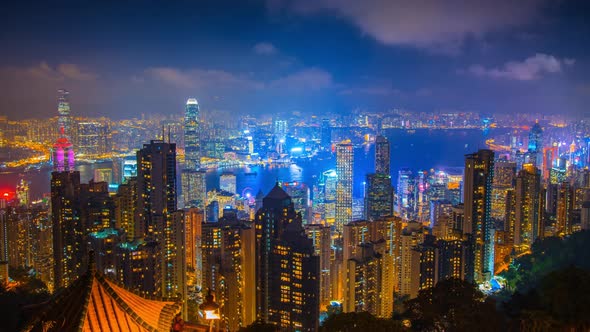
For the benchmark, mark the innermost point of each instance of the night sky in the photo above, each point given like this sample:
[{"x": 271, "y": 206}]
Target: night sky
[{"x": 125, "y": 58}]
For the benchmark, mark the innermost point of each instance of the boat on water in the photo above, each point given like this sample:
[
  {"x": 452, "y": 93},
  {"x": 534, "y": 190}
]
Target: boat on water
[{"x": 251, "y": 173}]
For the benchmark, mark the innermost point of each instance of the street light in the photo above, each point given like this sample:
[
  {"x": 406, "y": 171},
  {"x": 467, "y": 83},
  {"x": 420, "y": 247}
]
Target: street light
[{"x": 210, "y": 309}]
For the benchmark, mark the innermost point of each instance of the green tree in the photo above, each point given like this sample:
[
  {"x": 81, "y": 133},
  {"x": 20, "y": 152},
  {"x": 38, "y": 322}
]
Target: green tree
[
  {"x": 453, "y": 305},
  {"x": 359, "y": 321}
]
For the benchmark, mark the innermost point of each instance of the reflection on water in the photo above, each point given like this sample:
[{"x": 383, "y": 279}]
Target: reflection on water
[{"x": 424, "y": 149}]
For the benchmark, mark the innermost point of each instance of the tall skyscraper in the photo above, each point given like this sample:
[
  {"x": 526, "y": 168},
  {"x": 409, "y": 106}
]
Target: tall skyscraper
[
  {"x": 288, "y": 271},
  {"x": 156, "y": 203},
  {"x": 69, "y": 245},
  {"x": 535, "y": 147},
  {"x": 192, "y": 136},
  {"x": 64, "y": 121},
  {"x": 192, "y": 179},
  {"x": 344, "y": 171},
  {"x": 379, "y": 194},
  {"x": 528, "y": 208},
  {"x": 228, "y": 269},
  {"x": 405, "y": 193},
  {"x": 382, "y": 155},
  {"x": 477, "y": 198}
]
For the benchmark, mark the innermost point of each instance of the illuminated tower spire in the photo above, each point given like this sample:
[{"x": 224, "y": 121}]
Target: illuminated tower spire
[{"x": 63, "y": 108}]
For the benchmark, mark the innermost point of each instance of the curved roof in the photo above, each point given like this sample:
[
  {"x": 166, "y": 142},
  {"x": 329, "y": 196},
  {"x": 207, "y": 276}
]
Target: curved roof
[{"x": 94, "y": 303}]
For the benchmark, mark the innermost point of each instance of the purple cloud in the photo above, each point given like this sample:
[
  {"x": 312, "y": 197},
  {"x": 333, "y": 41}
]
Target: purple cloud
[
  {"x": 439, "y": 26},
  {"x": 529, "y": 69}
]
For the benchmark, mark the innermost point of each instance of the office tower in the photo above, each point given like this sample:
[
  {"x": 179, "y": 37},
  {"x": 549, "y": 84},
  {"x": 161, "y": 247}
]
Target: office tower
[
  {"x": 288, "y": 271},
  {"x": 368, "y": 256},
  {"x": 564, "y": 209},
  {"x": 479, "y": 176},
  {"x": 228, "y": 269},
  {"x": 192, "y": 136},
  {"x": 64, "y": 121},
  {"x": 528, "y": 209},
  {"x": 328, "y": 182},
  {"x": 344, "y": 172},
  {"x": 227, "y": 182},
  {"x": 69, "y": 245},
  {"x": 194, "y": 218},
  {"x": 92, "y": 138},
  {"x": 125, "y": 204},
  {"x": 405, "y": 194},
  {"x": 382, "y": 155},
  {"x": 320, "y": 236},
  {"x": 379, "y": 194},
  {"x": 300, "y": 196},
  {"x": 193, "y": 181},
  {"x": 535, "y": 148},
  {"x": 280, "y": 135},
  {"x": 326, "y": 135},
  {"x": 156, "y": 203}
]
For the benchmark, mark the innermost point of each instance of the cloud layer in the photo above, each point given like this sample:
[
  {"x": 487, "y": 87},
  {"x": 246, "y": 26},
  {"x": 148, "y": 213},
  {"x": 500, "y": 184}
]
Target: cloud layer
[
  {"x": 529, "y": 69},
  {"x": 440, "y": 26}
]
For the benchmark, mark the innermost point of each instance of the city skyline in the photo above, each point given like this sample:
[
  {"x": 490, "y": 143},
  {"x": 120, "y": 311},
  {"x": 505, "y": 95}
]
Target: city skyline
[
  {"x": 295, "y": 165},
  {"x": 308, "y": 56}
]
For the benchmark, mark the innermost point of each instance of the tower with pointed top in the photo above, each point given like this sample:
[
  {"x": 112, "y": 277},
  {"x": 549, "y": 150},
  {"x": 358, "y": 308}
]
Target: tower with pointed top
[
  {"x": 287, "y": 268},
  {"x": 192, "y": 178}
]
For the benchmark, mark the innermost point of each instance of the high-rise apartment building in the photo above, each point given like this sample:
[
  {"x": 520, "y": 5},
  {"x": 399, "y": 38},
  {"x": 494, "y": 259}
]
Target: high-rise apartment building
[
  {"x": 288, "y": 271},
  {"x": 477, "y": 198},
  {"x": 344, "y": 172}
]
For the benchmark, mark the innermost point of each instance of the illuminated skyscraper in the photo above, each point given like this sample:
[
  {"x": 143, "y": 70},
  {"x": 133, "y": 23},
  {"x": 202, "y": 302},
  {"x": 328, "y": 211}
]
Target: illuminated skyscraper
[
  {"x": 192, "y": 179},
  {"x": 344, "y": 171},
  {"x": 69, "y": 245},
  {"x": 192, "y": 136},
  {"x": 288, "y": 271},
  {"x": 64, "y": 121},
  {"x": 155, "y": 218},
  {"x": 536, "y": 145},
  {"x": 369, "y": 266},
  {"x": 228, "y": 269},
  {"x": 405, "y": 193},
  {"x": 477, "y": 198},
  {"x": 528, "y": 208},
  {"x": 379, "y": 194},
  {"x": 382, "y": 155},
  {"x": 320, "y": 235}
]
